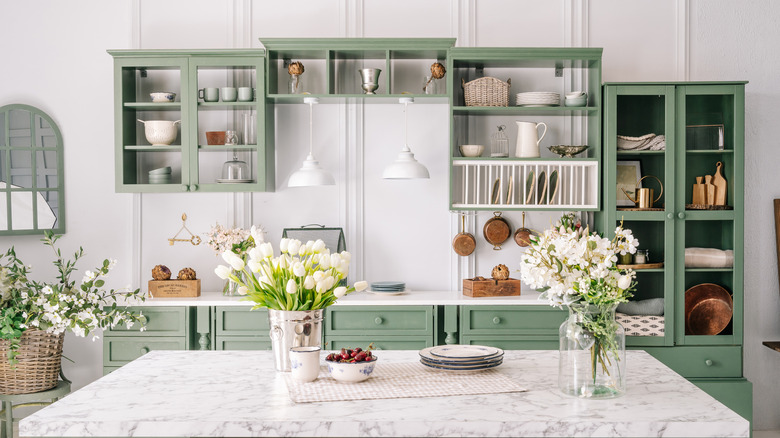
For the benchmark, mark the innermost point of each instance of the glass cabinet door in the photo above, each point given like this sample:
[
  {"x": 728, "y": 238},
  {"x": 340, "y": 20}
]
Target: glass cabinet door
[
  {"x": 228, "y": 121},
  {"x": 151, "y": 124}
]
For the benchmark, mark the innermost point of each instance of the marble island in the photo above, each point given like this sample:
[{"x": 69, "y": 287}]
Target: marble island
[{"x": 238, "y": 393}]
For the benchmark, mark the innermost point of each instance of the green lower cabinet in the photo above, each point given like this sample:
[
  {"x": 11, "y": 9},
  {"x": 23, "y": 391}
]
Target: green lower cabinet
[
  {"x": 380, "y": 343},
  {"x": 108, "y": 370},
  {"x": 120, "y": 350},
  {"x": 736, "y": 394},
  {"x": 701, "y": 362},
  {"x": 243, "y": 343},
  {"x": 514, "y": 343}
]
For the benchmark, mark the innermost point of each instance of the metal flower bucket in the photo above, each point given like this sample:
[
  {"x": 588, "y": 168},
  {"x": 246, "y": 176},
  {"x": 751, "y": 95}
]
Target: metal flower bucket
[{"x": 293, "y": 329}]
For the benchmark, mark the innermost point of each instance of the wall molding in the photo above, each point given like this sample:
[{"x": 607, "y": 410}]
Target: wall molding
[{"x": 683, "y": 37}]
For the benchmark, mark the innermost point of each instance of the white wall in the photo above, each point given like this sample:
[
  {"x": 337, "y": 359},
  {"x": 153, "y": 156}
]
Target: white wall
[{"x": 397, "y": 229}]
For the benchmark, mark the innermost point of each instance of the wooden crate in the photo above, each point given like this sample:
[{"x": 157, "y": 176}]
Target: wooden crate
[
  {"x": 491, "y": 288},
  {"x": 174, "y": 288}
]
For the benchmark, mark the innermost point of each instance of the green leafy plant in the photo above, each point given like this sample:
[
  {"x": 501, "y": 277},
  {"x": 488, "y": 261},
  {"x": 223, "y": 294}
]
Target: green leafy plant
[{"x": 58, "y": 306}]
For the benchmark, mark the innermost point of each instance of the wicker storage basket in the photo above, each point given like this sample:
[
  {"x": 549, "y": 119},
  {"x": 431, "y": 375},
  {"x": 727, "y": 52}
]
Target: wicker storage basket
[
  {"x": 486, "y": 91},
  {"x": 38, "y": 369}
]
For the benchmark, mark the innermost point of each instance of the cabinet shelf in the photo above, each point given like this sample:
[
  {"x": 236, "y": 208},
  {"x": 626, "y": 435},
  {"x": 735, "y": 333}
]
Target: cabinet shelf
[
  {"x": 367, "y": 98},
  {"x": 709, "y": 269},
  {"x": 225, "y": 147},
  {"x": 640, "y": 215},
  {"x": 149, "y": 148},
  {"x": 660, "y": 153},
  {"x": 231, "y": 105},
  {"x": 163, "y": 106},
  {"x": 521, "y": 110},
  {"x": 709, "y": 152},
  {"x": 709, "y": 215}
]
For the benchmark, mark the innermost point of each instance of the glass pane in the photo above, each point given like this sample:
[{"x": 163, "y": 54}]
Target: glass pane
[
  {"x": 52, "y": 199},
  {"x": 44, "y": 134},
  {"x": 47, "y": 169},
  {"x": 2, "y": 131},
  {"x": 21, "y": 210},
  {"x": 19, "y": 122},
  {"x": 3, "y": 175},
  {"x": 21, "y": 171},
  {"x": 3, "y": 209}
]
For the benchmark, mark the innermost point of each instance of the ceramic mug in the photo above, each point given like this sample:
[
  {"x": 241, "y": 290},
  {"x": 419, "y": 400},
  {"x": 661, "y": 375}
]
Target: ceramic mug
[
  {"x": 305, "y": 363},
  {"x": 229, "y": 94},
  {"x": 246, "y": 94},
  {"x": 209, "y": 94}
]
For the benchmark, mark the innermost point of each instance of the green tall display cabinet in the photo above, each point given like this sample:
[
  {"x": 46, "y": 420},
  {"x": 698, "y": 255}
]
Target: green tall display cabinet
[
  {"x": 195, "y": 161},
  {"x": 702, "y": 125}
]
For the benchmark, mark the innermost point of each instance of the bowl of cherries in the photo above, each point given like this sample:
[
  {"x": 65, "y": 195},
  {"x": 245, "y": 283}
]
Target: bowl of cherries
[{"x": 351, "y": 365}]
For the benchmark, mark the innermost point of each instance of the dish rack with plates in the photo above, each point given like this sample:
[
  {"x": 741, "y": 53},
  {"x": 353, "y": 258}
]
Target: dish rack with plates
[{"x": 525, "y": 184}]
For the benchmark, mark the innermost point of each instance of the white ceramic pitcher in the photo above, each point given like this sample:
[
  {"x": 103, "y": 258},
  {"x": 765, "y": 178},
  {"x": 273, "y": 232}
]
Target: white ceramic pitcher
[{"x": 528, "y": 139}]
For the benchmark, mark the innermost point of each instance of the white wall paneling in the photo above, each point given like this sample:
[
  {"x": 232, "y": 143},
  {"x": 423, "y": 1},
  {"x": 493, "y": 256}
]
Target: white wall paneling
[{"x": 396, "y": 228}]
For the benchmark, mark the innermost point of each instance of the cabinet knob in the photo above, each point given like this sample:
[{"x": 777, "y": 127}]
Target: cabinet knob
[
  {"x": 708, "y": 362},
  {"x": 378, "y": 320},
  {"x": 185, "y": 187},
  {"x": 670, "y": 216},
  {"x": 193, "y": 187},
  {"x": 681, "y": 215},
  {"x": 143, "y": 319},
  {"x": 144, "y": 350},
  {"x": 496, "y": 320}
]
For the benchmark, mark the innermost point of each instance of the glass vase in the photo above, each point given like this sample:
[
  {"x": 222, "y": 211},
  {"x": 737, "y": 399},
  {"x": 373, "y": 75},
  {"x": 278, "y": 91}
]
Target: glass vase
[
  {"x": 295, "y": 84},
  {"x": 230, "y": 288},
  {"x": 592, "y": 362}
]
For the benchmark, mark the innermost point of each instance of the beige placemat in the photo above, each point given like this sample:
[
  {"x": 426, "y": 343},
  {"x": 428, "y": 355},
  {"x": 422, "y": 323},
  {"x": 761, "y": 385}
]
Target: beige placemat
[{"x": 401, "y": 380}]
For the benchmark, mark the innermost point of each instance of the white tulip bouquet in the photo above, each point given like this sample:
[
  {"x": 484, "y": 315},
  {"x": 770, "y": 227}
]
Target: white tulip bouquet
[{"x": 305, "y": 276}]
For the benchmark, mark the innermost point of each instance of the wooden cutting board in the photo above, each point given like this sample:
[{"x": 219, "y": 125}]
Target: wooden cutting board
[{"x": 721, "y": 186}]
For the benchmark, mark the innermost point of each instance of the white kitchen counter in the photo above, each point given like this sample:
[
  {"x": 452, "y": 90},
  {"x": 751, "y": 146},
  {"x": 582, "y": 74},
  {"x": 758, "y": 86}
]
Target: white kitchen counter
[
  {"x": 365, "y": 298},
  {"x": 238, "y": 393}
]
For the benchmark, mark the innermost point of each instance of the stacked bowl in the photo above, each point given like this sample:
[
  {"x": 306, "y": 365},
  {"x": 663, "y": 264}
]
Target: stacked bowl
[
  {"x": 469, "y": 358},
  {"x": 160, "y": 176}
]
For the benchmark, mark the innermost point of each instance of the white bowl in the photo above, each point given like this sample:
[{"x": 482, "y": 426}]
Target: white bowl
[
  {"x": 162, "y": 96},
  {"x": 160, "y": 132},
  {"x": 576, "y": 101},
  {"x": 575, "y": 94},
  {"x": 351, "y": 372},
  {"x": 471, "y": 150}
]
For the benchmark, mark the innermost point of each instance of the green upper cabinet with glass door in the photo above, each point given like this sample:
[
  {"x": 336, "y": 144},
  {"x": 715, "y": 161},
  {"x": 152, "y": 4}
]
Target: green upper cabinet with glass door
[
  {"x": 702, "y": 124},
  {"x": 195, "y": 165}
]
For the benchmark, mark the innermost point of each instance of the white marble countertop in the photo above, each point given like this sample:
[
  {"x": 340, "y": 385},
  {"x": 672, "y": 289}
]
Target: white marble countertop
[
  {"x": 238, "y": 393},
  {"x": 365, "y": 298}
]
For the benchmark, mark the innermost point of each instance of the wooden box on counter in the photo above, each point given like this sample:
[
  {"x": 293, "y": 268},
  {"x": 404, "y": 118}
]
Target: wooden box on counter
[
  {"x": 488, "y": 287},
  {"x": 174, "y": 288}
]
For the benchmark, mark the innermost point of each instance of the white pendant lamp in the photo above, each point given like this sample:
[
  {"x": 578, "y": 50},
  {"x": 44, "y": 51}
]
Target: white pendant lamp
[
  {"x": 405, "y": 166},
  {"x": 311, "y": 174}
]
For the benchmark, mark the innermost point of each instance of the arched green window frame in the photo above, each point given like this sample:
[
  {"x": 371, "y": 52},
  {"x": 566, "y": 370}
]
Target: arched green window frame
[{"x": 29, "y": 181}]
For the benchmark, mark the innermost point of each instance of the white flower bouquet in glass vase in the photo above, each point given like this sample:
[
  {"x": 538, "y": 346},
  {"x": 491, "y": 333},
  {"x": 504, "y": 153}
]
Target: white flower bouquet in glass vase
[{"x": 576, "y": 268}]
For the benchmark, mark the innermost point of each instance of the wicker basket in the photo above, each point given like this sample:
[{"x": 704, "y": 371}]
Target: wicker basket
[
  {"x": 38, "y": 369},
  {"x": 486, "y": 91}
]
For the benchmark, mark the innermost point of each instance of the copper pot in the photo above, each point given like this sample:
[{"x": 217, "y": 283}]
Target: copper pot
[
  {"x": 464, "y": 243},
  {"x": 708, "y": 309},
  {"x": 523, "y": 235},
  {"x": 496, "y": 230}
]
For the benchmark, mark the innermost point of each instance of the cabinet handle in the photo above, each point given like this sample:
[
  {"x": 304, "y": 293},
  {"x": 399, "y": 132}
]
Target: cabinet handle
[
  {"x": 496, "y": 320},
  {"x": 143, "y": 319},
  {"x": 708, "y": 362},
  {"x": 185, "y": 188},
  {"x": 144, "y": 350},
  {"x": 681, "y": 215},
  {"x": 194, "y": 188},
  {"x": 670, "y": 216},
  {"x": 378, "y": 320}
]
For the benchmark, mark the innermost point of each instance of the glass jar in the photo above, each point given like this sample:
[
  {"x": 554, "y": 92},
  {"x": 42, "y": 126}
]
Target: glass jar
[
  {"x": 295, "y": 84},
  {"x": 430, "y": 86},
  {"x": 499, "y": 143},
  {"x": 592, "y": 361},
  {"x": 231, "y": 138}
]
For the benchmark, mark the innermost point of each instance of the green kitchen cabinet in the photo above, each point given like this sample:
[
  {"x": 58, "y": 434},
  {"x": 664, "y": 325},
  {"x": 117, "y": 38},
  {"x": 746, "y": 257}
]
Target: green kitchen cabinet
[
  {"x": 490, "y": 182},
  {"x": 195, "y": 165},
  {"x": 702, "y": 124},
  {"x": 240, "y": 328},
  {"x": 164, "y": 328},
  {"x": 388, "y": 327},
  {"x": 511, "y": 327},
  {"x": 331, "y": 68}
]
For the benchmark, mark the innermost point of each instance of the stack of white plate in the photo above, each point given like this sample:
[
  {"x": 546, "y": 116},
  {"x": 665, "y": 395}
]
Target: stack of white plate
[
  {"x": 538, "y": 98},
  {"x": 461, "y": 357},
  {"x": 388, "y": 287},
  {"x": 160, "y": 176}
]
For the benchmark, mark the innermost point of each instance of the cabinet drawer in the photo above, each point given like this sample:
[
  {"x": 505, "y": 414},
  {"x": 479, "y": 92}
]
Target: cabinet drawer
[
  {"x": 701, "y": 361},
  {"x": 514, "y": 320},
  {"x": 243, "y": 343},
  {"x": 514, "y": 343},
  {"x": 119, "y": 351},
  {"x": 160, "y": 321},
  {"x": 241, "y": 321},
  {"x": 405, "y": 343},
  {"x": 377, "y": 320}
]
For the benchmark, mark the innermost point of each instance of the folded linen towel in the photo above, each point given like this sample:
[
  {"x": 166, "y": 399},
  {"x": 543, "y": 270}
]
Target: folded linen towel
[
  {"x": 708, "y": 258},
  {"x": 647, "y": 142},
  {"x": 651, "y": 307}
]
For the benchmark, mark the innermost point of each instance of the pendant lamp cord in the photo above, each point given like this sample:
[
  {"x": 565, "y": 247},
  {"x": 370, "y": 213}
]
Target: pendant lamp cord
[
  {"x": 311, "y": 129},
  {"x": 406, "y": 125}
]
